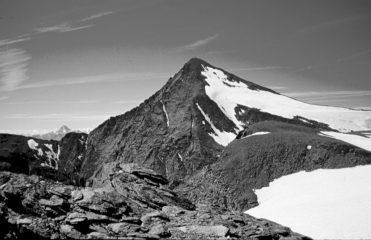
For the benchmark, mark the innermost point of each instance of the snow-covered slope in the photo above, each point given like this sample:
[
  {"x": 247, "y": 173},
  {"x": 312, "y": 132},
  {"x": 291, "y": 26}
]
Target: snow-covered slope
[
  {"x": 323, "y": 204},
  {"x": 227, "y": 93}
]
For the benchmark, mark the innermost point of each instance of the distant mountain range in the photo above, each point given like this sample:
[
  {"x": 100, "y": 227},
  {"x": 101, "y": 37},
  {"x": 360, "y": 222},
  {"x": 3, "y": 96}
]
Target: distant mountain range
[
  {"x": 207, "y": 144},
  {"x": 57, "y": 134}
]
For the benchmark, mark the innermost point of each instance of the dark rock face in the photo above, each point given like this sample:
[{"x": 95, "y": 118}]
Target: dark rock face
[
  {"x": 132, "y": 204},
  {"x": 49, "y": 158},
  {"x": 252, "y": 162},
  {"x": 164, "y": 133},
  {"x": 73, "y": 147},
  {"x": 167, "y": 132}
]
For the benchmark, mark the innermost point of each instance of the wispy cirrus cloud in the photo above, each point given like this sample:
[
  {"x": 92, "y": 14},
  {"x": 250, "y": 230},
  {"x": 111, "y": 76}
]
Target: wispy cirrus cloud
[
  {"x": 98, "y": 15},
  {"x": 335, "y": 22},
  {"x": 91, "y": 101},
  {"x": 61, "y": 28},
  {"x": 13, "y": 68},
  {"x": 263, "y": 68},
  {"x": 61, "y": 116},
  {"x": 6, "y": 42},
  {"x": 277, "y": 87},
  {"x": 126, "y": 101},
  {"x": 355, "y": 55},
  {"x": 196, "y": 44},
  {"x": 112, "y": 77},
  {"x": 328, "y": 96}
]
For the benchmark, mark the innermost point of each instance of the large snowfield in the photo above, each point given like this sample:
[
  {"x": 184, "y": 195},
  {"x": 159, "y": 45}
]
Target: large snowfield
[
  {"x": 322, "y": 204},
  {"x": 227, "y": 94}
]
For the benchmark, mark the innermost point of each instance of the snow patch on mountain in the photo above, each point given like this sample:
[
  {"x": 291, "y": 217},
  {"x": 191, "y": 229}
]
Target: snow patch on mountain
[
  {"x": 32, "y": 144},
  {"x": 52, "y": 157},
  {"x": 167, "y": 116},
  {"x": 256, "y": 134},
  {"x": 323, "y": 204},
  {"x": 227, "y": 94},
  {"x": 220, "y": 137},
  {"x": 180, "y": 157},
  {"x": 356, "y": 140}
]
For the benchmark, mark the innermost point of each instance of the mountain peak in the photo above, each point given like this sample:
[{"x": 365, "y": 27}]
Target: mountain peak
[
  {"x": 64, "y": 129},
  {"x": 195, "y": 64}
]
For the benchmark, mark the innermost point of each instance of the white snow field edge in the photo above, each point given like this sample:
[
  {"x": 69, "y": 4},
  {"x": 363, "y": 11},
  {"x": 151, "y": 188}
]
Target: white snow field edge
[
  {"x": 322, "y": 204},
  {"x": 356, "y": 140},
  {"x": 227, "y": 94},
  {"x": 256, "y": 134}
]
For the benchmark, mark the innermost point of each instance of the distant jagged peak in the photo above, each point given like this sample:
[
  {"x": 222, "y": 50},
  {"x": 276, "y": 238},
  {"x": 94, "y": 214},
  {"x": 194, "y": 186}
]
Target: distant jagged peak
[{"x": 63, "y": 130}]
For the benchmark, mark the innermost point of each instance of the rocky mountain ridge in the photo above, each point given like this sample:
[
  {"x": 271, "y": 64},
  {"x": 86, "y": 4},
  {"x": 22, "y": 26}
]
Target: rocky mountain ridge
[{"x": 133, "y": 204}]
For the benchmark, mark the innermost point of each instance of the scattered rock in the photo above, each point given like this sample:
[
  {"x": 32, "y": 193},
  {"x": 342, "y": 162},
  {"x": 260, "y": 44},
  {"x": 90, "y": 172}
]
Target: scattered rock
[
  {"x": 24, "y": 221},
  {"x": 76, "y": 195},
  {"x": 125, "y": 207},
  {"x": 218, "y": 230}
]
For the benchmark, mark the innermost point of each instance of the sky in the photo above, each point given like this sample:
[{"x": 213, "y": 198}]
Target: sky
[{"x": 77, "y": 63}]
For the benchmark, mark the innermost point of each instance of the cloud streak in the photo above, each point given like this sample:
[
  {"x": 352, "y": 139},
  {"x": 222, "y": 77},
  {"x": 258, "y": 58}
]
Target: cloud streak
[
  {"x": 13, "y": 68},
  {"x": 335, "y": 22},
  {"x": 93, "y": 101},
  {"x": 61, "y": 116},
  {"x": 7, "y": 42},
  {"x": 355, "y": 55},
  {"x": 114, "y": 77},
  {"x": 197, "y": 44},
  {"x": 61, "y": 28},
  {"x": 328, "y": 96},
  {"x": 95, "y": 16},
  {"x": 264, "y": 68}
]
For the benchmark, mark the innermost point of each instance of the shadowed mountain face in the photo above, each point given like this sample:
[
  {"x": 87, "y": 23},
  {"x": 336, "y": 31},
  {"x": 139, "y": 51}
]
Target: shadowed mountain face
[
  {"x": 166, "y": 133},
  {"x": 56, "y": 160},
  {"x": 179, "y": 129}
]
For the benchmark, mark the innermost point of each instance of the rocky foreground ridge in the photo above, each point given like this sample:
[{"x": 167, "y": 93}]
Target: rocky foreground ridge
[{"x": 133, "y": 203}]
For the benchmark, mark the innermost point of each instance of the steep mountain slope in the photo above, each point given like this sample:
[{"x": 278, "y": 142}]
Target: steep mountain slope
[
  {"x": 186, "y": 124},
  {"x": 167, "y": 132},
  {"x": 49, "y": 158},
  {"x": 263, "y": 152},
  {"x": 54, "y": 135}
]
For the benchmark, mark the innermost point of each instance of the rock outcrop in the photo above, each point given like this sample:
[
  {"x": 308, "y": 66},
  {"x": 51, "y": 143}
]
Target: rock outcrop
[{"x": 134, "y": 203}]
